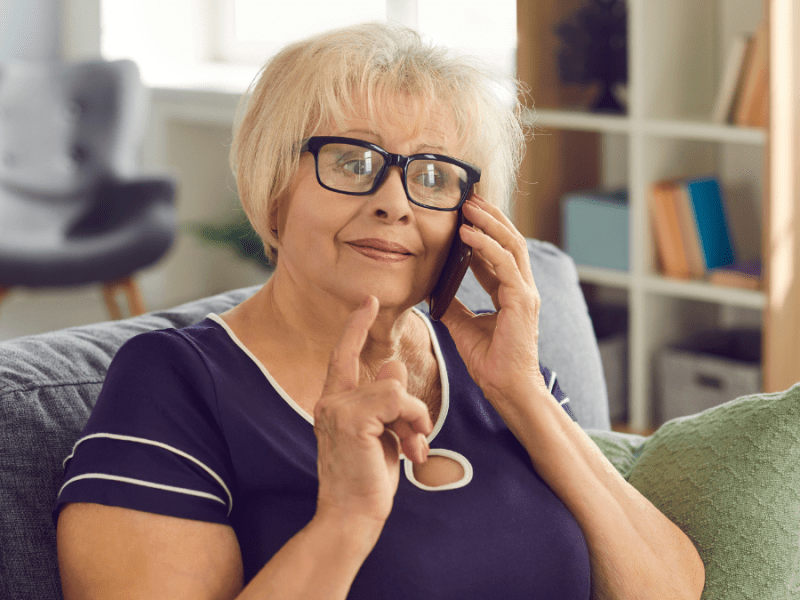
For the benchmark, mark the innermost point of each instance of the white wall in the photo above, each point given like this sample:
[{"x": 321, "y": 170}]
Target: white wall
[
  {"x": 30, "y": 29},
  {"x": 195, "y": 152},
  {"x": 80, "y": 28}
]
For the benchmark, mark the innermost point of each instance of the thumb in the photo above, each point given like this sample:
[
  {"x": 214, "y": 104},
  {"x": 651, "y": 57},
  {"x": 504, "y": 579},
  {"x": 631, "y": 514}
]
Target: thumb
[
  {"x": 394, "y": 369},
  {"x": 402, "y": 431},
  {"x": 343, "y": 365}
]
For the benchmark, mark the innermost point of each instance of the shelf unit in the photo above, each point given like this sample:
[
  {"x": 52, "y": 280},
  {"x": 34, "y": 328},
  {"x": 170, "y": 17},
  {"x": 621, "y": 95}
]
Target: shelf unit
[{"x": 676, "y": 54}]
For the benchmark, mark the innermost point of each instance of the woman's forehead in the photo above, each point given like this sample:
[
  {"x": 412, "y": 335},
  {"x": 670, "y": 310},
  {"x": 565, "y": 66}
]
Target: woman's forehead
[{"x": 429, "y": 124}]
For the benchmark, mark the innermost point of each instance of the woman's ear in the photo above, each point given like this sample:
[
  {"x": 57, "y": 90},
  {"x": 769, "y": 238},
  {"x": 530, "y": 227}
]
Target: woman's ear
[
  {"x": 273, "y": 227},
  {"x": 277, "y": 216}
]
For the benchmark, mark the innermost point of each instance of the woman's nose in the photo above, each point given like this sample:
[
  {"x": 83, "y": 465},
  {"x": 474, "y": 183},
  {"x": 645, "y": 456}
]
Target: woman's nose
[{"x": 389, "y": 201}]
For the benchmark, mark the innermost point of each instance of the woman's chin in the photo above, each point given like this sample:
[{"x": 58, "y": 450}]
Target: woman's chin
[
  {"x": 392, "y": 290},
  {"x": 387, "y": 298}
]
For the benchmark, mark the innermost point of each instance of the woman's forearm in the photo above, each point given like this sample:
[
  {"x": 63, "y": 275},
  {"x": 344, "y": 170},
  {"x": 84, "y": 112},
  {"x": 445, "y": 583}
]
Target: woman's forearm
[
  {"x": 321, "y": 561},
  {"x": 635, "y": 550}
]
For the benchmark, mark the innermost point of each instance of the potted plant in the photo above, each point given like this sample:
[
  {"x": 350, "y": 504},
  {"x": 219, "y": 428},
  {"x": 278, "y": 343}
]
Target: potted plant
[{"x": 595, "y": 48}]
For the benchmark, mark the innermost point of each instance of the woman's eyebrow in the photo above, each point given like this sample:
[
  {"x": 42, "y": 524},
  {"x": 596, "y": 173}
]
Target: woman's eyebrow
[
  {"x": 362, "y": 132},
  {"x": 435, "y": 149},
  {"x": 366, "y": 134},
  {"x": 424, "y": 147}
]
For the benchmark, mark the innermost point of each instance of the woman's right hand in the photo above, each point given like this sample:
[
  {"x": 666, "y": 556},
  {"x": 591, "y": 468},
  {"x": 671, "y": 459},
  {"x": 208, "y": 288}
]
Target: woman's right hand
[{"x": 358, "y": 452}]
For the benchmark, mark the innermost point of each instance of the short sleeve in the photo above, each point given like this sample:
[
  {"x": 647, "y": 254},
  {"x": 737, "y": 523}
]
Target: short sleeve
[
  {"x": 153, "y": 441},
  {"x": 556, "y": 391}
]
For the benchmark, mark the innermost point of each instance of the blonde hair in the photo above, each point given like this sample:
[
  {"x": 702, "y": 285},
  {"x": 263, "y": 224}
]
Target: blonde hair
[{"x": 324, "y": 77}]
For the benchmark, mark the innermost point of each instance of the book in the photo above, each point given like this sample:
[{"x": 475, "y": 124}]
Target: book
[
  {"x": 688, "y": 226},
  {"x": 745, "y": 275},
  {"x": 708, "y": 208},
  {"x": 759, "y": 114},
  {"x": 732, "y": 78},
  {"x": 751, "y": 105},
  {"x": 664, "y": 218}
]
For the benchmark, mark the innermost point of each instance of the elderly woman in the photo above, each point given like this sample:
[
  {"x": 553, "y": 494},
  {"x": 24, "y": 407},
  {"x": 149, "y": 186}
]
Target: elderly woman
[{"x": 326, "y": 439}]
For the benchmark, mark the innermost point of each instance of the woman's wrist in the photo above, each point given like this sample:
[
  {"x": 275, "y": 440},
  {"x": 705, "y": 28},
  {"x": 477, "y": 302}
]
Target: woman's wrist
[
  {"x": 356, "y": 534},
  {"x": 528, "y": 411},
  {"x": 319, "y": 562},
  {"x": 519, "y": 393}
]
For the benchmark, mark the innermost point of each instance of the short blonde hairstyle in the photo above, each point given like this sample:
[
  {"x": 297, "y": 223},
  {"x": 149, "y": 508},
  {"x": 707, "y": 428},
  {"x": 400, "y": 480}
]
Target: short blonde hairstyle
[{"x": 321, "y": 78}]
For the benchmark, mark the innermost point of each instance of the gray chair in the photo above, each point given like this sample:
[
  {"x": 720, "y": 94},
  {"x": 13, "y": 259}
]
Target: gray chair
[
  {"x": 72, "y": 210},
  {"x": 50, "y": 382}
]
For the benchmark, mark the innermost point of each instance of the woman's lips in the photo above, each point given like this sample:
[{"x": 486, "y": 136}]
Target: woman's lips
[{"x": 381, "y": 250}]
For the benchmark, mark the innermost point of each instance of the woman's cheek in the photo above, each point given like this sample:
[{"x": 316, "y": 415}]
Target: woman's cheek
[{"x": 437, "y": 265}]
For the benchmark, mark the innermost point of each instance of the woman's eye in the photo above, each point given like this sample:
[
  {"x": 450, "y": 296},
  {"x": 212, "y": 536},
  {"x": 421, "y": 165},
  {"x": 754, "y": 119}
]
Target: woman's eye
[
  {"x": 361, "y": 166},
  {"x": 358, "y": 163},
  {"x": 430, "y": 178}
]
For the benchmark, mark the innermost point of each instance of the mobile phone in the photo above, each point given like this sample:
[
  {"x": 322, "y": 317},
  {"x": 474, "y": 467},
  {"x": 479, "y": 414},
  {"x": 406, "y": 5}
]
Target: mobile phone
[{"x": 455, "y": 267}]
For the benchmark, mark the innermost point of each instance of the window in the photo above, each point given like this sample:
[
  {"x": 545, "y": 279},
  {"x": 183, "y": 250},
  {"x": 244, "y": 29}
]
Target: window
[
  {"x": 253, "y": 30},
  {"x": 176, "y": 42},
  {"x": 484, "y": 28}
]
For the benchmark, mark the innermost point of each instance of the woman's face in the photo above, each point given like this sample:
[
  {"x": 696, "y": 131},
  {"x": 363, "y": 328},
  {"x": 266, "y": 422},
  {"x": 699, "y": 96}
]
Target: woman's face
[{"x": 332, "y": 242}]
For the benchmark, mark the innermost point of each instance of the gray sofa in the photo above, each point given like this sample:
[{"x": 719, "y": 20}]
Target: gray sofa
[{"x": 49, "y": 384}]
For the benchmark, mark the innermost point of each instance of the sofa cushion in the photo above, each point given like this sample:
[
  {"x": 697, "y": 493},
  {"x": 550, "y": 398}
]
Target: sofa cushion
[{"x": 729, "y": 477}]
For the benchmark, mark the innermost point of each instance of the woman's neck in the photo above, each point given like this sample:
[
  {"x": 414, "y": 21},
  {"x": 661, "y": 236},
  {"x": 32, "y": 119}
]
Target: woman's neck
[{"x": 309, "y": 322}]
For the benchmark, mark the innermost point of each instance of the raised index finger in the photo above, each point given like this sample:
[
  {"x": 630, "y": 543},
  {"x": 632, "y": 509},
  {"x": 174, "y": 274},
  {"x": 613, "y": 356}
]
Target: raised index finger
[{"x": 343, "y": 365}]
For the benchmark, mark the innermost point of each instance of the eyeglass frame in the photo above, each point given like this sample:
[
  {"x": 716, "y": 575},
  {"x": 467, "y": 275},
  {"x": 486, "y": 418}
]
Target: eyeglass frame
[{"x": 314, "y": 143}]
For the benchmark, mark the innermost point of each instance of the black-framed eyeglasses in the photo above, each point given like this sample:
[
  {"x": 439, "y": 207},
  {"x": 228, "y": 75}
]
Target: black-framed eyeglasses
[{"x": 358, "y": 168}]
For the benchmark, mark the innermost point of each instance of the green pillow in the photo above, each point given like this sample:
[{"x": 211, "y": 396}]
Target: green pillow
[{"x": 729, "y": 477}]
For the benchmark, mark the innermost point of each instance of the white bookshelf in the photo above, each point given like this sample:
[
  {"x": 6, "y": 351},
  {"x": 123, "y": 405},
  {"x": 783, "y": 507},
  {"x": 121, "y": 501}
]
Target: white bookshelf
[
  {"x": 676, "y": 55},
  {"x": 666, "y": 128}
]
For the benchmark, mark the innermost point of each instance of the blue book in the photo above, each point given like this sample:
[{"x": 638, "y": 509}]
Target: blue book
[{"x": 705, "y": 197}]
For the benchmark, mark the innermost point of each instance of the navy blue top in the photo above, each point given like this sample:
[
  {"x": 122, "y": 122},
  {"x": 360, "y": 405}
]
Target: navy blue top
[{"x": 190, "y": 424}]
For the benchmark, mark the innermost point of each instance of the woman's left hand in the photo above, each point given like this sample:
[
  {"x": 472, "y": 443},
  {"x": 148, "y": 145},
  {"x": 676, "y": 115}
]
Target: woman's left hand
[{"x": 500, "y": 349}]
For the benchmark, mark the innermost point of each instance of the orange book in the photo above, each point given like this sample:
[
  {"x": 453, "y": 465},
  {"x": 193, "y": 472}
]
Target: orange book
[
  {"x": 667, "y": 231},
  {"x": 759, "y": 116},
  {"x": 747, "y": 61},
  {"x": 746, "y": 275},
  {"x": 732, "y": 78},
  {"x": 696, "y": 263},
  {"x": 754, "y": 87}
]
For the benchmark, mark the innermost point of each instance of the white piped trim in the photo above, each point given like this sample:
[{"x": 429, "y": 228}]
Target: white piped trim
[
  {"x": 128, "y": 438},
  {"x": 550, "y": 387},
  {"x": 436, "y": 350},
  {"x": 552, "y": 381},
  {"x": 298, "y": 409},
  {"x": 459, "y": 458},
  {"x": 149, "y": 484}
]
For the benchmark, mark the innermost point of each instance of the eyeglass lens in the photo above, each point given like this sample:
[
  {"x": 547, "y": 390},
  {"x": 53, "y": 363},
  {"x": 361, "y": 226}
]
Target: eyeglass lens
[{"x": 352, "y": 169}]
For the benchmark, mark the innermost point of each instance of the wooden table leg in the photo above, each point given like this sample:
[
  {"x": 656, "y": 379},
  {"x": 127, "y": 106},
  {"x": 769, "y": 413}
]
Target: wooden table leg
[
  {"x": 130, "y": 288},
  {"x": 4, "y": 291},
  {"x": 135, "y": 300},
  {"x": 110, "y": 289}
]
